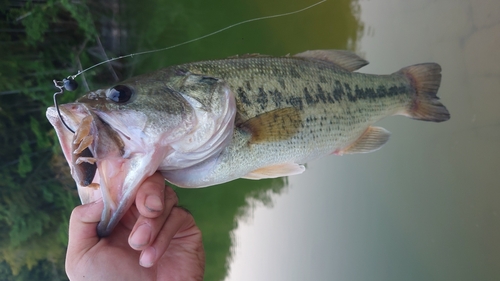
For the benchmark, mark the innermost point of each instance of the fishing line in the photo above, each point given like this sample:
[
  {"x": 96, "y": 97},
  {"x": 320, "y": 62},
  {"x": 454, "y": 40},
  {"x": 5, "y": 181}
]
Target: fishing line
[
  {"x": 70, "y": 84},
  {"x": 199, "y": 38}
]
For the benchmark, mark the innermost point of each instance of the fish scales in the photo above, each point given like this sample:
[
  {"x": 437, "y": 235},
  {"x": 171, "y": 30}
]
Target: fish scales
[
  {"x": 336, "y": 105},
  {"x": 265, "y": 84},
  {"x": 254, "y": 116}
]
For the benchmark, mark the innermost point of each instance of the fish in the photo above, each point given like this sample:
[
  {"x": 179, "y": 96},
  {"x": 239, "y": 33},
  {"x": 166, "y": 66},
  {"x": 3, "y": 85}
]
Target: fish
[{"x": 251, "y": 116}]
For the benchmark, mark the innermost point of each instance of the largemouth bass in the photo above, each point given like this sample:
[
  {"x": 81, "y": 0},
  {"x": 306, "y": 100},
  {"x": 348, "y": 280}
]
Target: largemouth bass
[{"x": 254, "y": 116}]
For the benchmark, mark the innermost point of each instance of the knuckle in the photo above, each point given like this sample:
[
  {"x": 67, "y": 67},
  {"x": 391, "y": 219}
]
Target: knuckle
[
  {"x": 179, "y": 212},
  {"x": 185, "y": 210},
  {"x": 183, "y": 214},
  {"x": 171, "y": 196},
  {"x": 78, "y": 212}
]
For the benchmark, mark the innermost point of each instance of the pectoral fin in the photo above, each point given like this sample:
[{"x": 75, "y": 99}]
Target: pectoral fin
[
  {"x": 276, "y": 171},
  {"x": 372, "y": 139},
  {"x": 279, "y": 124}
]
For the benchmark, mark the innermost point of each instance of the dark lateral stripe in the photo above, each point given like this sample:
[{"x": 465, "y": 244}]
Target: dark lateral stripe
[
  {"x": 320, "y": 94},
  {"x": 345, "y": 91},
  {"x": 262, "y": 98},
  {"x": 242, "y": 96},
  {"x": 296, "y": 102},
  {"x": 277, "y": 98},
  {"x": 338, "y": 91},
  {"x": 309, "y": 98}
]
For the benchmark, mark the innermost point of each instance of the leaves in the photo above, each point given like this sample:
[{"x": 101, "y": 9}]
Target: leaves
[
  {"x": 39, "y": 45},
  {"x": 24, "y": 166},
  {"x": 36, "y": 24}
]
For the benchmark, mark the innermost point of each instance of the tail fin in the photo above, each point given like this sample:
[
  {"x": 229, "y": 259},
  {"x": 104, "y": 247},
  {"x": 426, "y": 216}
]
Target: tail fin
[{"x": 425, "y": 78}]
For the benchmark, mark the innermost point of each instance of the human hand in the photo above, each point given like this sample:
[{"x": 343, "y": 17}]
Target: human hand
[{"x": 155, "y": 240}]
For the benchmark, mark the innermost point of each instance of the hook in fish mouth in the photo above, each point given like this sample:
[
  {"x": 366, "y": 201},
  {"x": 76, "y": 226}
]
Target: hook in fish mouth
[
  {"x": 84, "y": 157},
  {"x": 69, "y": 84},
  {"x": 99, "y": 167}
]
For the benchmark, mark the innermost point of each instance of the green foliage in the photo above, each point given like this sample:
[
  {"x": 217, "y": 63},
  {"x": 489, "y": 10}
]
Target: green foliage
[
  {"x": 38, "y": 46},
  {"x": 43, "y": 270},
  {"x": 36, "y": 23},
  {"x": 42, "y": 141},
  {"x": 50, "y": 39},
  {"x": 81, "y": 14},
  {"x": 24, "y": 165}
]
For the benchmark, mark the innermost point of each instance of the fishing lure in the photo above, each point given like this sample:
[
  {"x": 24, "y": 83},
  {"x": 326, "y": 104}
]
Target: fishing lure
[{"x": 69, "y": 84}]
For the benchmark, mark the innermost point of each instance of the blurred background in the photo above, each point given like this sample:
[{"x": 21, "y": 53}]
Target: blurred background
[{"x": 425, "y": 207}]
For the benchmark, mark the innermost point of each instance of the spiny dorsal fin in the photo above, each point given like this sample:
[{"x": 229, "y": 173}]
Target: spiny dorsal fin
[
  {"x": 372, "y": 139},
  {"x": 254, "y": 55},
  {"x": 279, "y": 124},
  {"x": 276, "y": 171},
  {"x": 345, "y": 59}
]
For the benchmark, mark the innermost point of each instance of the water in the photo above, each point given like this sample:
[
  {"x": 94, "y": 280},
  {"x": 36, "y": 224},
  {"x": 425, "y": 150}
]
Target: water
[
  {"x": 422, "y": 208},
  {"x": 425, "y": 207}
]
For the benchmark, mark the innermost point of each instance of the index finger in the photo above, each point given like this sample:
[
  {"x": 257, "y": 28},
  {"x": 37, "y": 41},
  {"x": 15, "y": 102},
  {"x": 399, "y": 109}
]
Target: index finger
[
  {"x": 150, "y": 197},
  {"x": 83, "y": 229}
]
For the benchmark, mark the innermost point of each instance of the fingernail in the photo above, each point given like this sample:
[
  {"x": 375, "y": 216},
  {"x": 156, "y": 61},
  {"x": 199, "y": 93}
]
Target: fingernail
[
  {"x": 154, "y": 203},
  {"x": 141, "y": 236},
  {"x": 147, "y": 257}
]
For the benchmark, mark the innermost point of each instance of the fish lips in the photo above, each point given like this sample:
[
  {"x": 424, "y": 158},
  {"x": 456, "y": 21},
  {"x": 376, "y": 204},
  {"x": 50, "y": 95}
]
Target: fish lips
[
  {"x": 90, "y": 185},
  {"x": 84, "y": 173},
  {"x": 99, "y": 166}
]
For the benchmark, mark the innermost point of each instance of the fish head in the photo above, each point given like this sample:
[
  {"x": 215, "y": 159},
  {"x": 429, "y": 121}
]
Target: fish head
[{"x": 125, "y": 133}]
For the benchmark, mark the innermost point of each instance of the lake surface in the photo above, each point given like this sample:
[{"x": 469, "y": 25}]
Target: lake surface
[{"x": 425, "y": 207}]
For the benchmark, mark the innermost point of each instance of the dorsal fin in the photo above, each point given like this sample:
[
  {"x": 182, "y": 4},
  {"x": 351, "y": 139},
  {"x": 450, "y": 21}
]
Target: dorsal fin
[
  {"x": 345, "y": 59},
  {"x": 254, "y": 55}
]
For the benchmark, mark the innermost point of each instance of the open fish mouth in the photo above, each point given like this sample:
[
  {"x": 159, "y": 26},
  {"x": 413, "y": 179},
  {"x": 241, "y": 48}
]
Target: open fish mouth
[
  {"x": 78, "y": 147},
  {"x": 82, "y": 158},
  {"x": 99, "y": 164}
]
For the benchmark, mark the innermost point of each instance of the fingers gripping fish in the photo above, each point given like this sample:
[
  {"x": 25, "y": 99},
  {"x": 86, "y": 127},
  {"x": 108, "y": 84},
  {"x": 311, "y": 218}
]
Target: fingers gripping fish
[{"x": 252, "y": 116}]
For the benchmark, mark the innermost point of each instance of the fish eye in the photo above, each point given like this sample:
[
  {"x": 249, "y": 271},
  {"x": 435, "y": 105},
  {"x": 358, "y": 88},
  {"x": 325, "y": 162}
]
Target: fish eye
[{"x": 120, "y": 94}]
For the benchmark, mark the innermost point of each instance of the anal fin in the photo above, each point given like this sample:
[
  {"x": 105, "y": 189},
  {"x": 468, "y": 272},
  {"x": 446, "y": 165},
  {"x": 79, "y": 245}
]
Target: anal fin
[
  {"x": 372, "y": 139},
  {"x": 276, "y": 171}
]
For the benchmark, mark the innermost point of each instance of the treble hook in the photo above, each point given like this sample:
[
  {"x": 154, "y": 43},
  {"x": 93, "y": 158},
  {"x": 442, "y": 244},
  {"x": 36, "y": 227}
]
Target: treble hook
[{"x": 69, "y": 84}]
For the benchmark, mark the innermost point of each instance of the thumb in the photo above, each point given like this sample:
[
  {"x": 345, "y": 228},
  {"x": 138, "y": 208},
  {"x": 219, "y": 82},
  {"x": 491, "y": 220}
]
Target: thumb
[{"x": 83, "y": 228}]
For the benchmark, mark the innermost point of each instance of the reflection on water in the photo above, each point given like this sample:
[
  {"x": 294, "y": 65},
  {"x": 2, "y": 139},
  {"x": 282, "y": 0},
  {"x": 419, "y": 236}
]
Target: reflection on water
[
  {"x": 425, "y": 207},
  {"x": 217, "y": 211}
]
